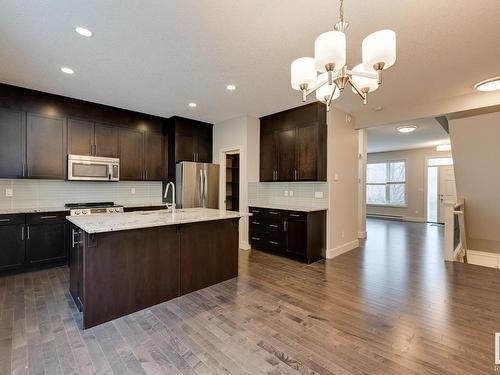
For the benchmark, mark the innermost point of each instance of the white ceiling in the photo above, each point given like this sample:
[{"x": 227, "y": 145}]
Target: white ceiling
[
  {"x": 155, "y": 56},
  {"x": 386, "y": 138}
]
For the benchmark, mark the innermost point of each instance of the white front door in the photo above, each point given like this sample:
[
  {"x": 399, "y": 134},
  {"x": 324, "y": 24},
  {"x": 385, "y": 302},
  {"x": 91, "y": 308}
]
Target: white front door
[{"x": 447, "y": 190}]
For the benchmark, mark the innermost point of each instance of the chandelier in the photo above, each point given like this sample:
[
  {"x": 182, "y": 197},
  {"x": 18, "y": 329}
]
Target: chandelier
[{"x": 378, "y": 53}]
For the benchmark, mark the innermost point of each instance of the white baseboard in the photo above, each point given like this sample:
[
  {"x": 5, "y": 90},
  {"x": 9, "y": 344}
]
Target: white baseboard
[
  {"x": 483, "y": 258},
  {"x": 244, "y": 245},
  {"x": 416, "y": 219},
  {"x": 336, "y": 251},
  {"x": 362, "y": 234}
]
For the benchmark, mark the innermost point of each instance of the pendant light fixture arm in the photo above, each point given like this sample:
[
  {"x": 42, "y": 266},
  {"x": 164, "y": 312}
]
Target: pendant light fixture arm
[{"x": 363, "y": 95}]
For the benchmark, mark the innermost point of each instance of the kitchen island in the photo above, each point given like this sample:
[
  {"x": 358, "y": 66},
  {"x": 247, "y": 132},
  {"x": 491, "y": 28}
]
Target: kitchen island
[{"x": 121, "y": 263}]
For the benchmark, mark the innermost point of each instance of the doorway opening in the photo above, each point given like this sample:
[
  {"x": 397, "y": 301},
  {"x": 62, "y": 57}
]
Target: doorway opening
[
  {"x": 440, "y": 187},
  {"x": 232, "y": 199}
]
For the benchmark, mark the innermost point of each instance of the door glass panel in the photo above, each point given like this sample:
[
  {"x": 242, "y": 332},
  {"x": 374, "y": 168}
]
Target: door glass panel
[{"x": 90, "y": 170}]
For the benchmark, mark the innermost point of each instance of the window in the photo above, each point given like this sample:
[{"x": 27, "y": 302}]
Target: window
[
  {"x": 435, "y": 162},
  {"x": 386, "y": 183}
]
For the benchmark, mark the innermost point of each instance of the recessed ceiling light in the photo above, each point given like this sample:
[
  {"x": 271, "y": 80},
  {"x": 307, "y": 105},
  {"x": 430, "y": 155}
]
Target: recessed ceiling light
[
  {"x": 491, "y": 84},
  {"x": 83, "y": 31},
  {"x": 406, "y": 128},
  {"x": 378, "y": 109},
  {"x": 192, "y": 105},
  {"x": 231, "y": 87},
  {"x": 67, "y": 70}
]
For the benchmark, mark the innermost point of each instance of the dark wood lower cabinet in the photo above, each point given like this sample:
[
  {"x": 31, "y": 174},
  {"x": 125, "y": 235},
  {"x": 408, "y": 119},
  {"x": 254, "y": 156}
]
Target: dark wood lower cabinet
[
  {"x": 116, "y": 273},
  {"x": 12, "y": 248},
  {"x": 31, "y": 241},
  {"x": 295, "y": 234}
]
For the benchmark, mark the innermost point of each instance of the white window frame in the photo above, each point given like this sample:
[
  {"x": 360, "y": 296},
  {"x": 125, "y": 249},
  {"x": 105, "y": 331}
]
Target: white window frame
[{"x": 387, "y": 184}]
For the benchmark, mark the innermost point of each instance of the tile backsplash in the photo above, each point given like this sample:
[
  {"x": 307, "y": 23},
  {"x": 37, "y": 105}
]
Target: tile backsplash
[
  {"x": 273, "y": 193},
  {"x": 52, "y": 193}
]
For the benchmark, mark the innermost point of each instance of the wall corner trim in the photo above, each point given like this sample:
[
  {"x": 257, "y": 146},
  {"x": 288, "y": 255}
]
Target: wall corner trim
[{"x": 336, "y": 251}]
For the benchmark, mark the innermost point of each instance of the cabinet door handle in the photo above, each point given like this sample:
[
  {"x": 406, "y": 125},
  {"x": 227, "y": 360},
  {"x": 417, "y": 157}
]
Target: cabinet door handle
[
  {"x": 146, "y": 173},
  {"x": 255, "y": 211},
  {"x": 73, "y": 242},
  {"x": 28, "y": 232},
  {"x": 285, "y": 225},
  {"x": 273, "y": 225},
  {"x": 4, "y": 220},
  {"x": 255, "y": 222},
  {"x": 273, "y": 213},
  {"x": 24, "y": 167},
  {"x": 273, "y": 242},
  {"x": 294, "y": 215},
  {"x": 22, "y": 233},
  {"x": 295, "y": 174},
  {"x": 47, "y": 217},
  {"x": 256, "y": 238}
]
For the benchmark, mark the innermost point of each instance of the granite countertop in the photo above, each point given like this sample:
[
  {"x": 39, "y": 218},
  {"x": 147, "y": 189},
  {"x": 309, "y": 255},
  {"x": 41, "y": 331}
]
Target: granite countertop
[
  {"x": 101, "y": 223},
  {"x": 289, "y": 208},
  {"x": 31, "y": 210}
]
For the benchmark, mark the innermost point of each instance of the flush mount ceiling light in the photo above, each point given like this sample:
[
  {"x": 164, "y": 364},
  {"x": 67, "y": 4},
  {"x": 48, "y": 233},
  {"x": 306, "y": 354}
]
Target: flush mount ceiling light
[
  {"x": 491, "y": 84},
  {"x": 83, "y": 31},
  {"x": 379, "y": 53},
  {"x": 67, "y": 70},
  {"x": 443, "y": 147},
  {"x": 406, "y": 128},
  {"x": 192, "y": 105},
  {"x": 231, "y": 87}
]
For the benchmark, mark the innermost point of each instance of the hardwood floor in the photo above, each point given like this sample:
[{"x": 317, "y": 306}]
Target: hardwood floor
[{"x": 391, "y": 307}]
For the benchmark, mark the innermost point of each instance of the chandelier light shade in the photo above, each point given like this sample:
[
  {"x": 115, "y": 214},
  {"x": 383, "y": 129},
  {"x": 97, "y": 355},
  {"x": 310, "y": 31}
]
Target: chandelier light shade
[
  {"x": 324, "y": 92},
  {"x": 330, "y": 51},
  {"x": 378, "y": 53},
  {"x": 364, "y": 84},
  {"x": 303, "y": 73},
  {"x": 379, "y": 48}
]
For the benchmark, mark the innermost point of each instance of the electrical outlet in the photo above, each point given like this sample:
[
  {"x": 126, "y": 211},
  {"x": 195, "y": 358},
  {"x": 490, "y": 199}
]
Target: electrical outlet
[
  {"x": 285, "y": 193},
  {"x": 132, "y": 191},
  {"x": 9, "y": 192},
  {"x": 318, "y": 194},
  {"x": 291, "y": 193}
]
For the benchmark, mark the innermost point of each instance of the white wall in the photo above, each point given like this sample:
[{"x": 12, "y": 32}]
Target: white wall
[
  {"x": 243, "y": 134},
  {"x": 416, "y": 177},
  {"x": 476, "y": 152},
  {"x": 343, "y": 183}
]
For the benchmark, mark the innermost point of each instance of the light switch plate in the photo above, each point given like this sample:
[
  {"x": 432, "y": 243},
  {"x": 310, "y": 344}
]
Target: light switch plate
[
  {"x": 9, "y": 192},
  {"x": 132, "y": 191},
  {"x": 285, "y": 193},
  {"x": 335, "y": 177},
  {"x": 291, "y": 193},
  {"x": 318, "y": 194}
]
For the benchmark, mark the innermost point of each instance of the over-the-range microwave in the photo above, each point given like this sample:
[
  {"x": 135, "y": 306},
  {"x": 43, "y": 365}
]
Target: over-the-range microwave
[{"x": 93, "y": 168}]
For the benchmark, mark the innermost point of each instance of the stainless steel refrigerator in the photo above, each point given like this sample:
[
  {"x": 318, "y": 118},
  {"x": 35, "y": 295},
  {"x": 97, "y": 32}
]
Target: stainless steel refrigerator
[{"x": 197, "y": 185}]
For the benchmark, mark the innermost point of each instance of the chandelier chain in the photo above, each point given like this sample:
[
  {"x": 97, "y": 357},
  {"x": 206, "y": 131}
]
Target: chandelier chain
[{"x": 341, "y": 10}]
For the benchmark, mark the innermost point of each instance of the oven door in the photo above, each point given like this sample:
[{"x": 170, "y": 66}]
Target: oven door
[{"x": 86, "y": 169}]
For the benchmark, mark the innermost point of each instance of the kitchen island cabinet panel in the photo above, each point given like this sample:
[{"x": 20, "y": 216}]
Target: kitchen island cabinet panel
[
  {"x": 207, "y": 259},
  {"x": 127, "y": 271}
]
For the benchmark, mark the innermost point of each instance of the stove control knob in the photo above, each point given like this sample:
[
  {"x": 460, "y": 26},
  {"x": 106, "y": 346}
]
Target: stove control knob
[
  {"x": 77, "y": 212},
  {"x": 84, "y": 212},
  {"x": 111, "y": 210}
]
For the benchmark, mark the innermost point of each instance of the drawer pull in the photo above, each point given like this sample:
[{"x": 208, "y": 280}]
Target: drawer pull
[
  {"x": 273, "y": 225},
  {"x": 294, "y": 215},
  {"x": 256, "y": 211},
  {"x": 48, "y": 217},
  {"x": 273, "y": 242},
  {"x": 256, "y": 222},
  {"x": 4, "y": 220},
  {"x": 273, "y": 213},
  {"x": 256, "y": 238}
]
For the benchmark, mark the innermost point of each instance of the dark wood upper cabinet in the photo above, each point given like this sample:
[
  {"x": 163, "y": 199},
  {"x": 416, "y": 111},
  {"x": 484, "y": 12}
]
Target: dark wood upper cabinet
[
  {"x": 286, "y": 155},
  {"x": 131, "y": 151},
  {"x": 293, "y": 145},
  {"x": 105, "y": 140},
  {"x": 46, "y": 146},
  {"x": 307, "y": 142},
  {"x": 12, "y": 144},
  {"x": 80, "y": 137},
  {"x": 191, "y": 141},
  {"x": 268, "y": 156},
  {"x": 155, "y": 157}
]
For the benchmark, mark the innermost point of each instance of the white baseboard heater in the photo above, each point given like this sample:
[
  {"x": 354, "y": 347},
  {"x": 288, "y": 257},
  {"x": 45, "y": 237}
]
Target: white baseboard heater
[{"x": 387, "y": 217}]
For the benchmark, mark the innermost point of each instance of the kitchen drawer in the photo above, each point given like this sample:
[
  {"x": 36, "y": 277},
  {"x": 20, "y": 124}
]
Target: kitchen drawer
[
  {"x": 265, "y": 242},
  {"x": 297, "y": 215},
  {"x": 46, "y": 217},
  {"x": 12, "y": 219}
]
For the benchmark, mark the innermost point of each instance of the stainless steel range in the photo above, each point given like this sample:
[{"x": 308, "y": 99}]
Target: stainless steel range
[{"x": 84, "y": 209}]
